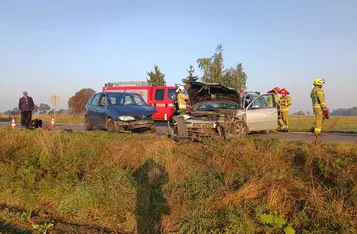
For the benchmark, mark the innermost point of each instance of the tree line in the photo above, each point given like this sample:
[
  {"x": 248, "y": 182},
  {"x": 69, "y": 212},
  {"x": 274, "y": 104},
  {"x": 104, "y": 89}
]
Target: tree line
[
  {"x": 42, "y": 109},
  {"x": 212, "y": 68},
  {"x": 336, "y": 112}
]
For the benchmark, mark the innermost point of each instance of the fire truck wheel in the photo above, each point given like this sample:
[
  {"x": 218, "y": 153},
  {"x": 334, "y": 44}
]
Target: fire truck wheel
[
  {"x": 87, "y": 124},
  {"x": 110, "y": 125}
]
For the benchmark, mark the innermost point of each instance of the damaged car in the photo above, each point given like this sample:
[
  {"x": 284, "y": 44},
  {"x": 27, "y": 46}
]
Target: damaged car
[
  {"x": 118, "y": 112},
  {"x": 218, "y": 111}
]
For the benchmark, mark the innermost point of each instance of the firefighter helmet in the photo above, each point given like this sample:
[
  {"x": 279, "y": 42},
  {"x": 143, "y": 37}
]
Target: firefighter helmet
[
  {"x": 319, "y": 81},
  {"x": 180, "y": 88},
  {"x": 283, "y": 91},
  {"x": 276, "y": 89}
]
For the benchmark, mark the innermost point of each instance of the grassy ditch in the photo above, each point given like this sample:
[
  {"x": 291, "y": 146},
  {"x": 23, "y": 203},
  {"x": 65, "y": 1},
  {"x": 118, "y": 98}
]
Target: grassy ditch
[{"x": 81, "y": 182}]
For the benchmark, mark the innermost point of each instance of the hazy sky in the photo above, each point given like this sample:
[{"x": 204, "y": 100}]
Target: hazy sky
[{"x": 59, "y": 47}]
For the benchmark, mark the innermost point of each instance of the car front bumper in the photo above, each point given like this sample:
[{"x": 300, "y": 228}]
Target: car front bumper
[{"x": 134, "y": 125}]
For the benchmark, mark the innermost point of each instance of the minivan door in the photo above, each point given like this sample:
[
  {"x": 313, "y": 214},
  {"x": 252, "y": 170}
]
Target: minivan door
[
  {"x": 103, "y": 109},
  {"x": 92, "y": 109},
  {"x": 262, "y": 113}
]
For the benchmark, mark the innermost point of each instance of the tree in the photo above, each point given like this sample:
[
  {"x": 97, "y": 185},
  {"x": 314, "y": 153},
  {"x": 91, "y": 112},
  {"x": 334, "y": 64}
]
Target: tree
[
  {"x": 43, "y": 108},
  {"x": 156, "y": 77},
  {"x": 235, "y": 77},
  {"x": 299, "y": 113},
  {"x": 15, "y": 111},
  {"x": 78, "y": 102},
  {"x": 190, "y": 78},
  {"x": 212, "y": 67},
  {"x": 35, "y": 109},
  {"x": 8, "y": 112},
  {"x": 61, "y": 111},
  {"x": 214, "y": 72}
]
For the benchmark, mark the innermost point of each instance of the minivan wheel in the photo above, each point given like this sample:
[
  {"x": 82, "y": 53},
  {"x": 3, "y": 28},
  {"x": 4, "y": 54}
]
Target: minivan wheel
[
  {"x": 87, "y": 124},
  {"x": 110, "y": 125}
]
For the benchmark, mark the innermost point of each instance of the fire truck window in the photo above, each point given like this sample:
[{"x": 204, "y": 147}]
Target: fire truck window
[
  {"x": 172, "y": 94},
  {"x": 159, "y": 94}
]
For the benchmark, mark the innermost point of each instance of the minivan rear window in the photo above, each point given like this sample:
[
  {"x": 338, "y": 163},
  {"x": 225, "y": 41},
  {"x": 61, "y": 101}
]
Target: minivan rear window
[{"x": 159, "y": 94}]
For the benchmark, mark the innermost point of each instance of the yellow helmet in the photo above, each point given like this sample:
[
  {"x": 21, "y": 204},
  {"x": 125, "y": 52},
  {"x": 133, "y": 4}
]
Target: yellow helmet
[{"x": 319, "y": 81}]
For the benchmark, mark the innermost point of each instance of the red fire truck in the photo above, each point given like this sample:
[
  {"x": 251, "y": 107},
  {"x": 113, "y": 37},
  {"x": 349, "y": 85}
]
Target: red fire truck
[{"x": 160, "y": 97}]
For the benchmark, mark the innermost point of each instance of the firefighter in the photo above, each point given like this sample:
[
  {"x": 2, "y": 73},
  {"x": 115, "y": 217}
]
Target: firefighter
[
  {"x": 276, "y": 92},
  {"x": 319, "y": 105},
  {"x": 181, "y": 99},
  {"x": 285, "y": 102}
]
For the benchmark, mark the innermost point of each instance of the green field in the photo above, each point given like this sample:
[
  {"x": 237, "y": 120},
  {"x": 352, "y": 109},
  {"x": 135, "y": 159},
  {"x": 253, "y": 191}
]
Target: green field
[{"x": 89, "y": 181}]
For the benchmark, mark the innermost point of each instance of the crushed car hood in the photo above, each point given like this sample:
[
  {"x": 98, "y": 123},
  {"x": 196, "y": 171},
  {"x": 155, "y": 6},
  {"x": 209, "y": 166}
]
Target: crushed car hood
[{"x": 205, "y": 92}]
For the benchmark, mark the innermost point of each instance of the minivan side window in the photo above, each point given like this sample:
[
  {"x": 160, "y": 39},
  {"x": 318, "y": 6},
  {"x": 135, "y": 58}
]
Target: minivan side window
[
  {"x": 95, "y": 100},
  {"x": 159, "y": 94}
]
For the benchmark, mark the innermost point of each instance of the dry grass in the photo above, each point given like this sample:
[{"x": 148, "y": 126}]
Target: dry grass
[
  {"x": 114, "y": 181},
  {"x": 75, "y": 119}
]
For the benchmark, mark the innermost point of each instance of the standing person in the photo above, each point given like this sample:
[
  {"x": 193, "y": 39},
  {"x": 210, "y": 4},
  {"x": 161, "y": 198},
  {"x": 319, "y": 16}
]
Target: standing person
[
  {"x": 318, "y": 103},
  {"x": 285, "y": 103},
  {"x": 26, "y": 106},
  {"x": 276, "y": 92},
  {"x": 181, "y": 99}
]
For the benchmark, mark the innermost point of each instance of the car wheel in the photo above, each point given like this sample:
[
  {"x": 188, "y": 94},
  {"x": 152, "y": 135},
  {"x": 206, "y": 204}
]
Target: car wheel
[
  {"x": 239, "y": 129},
  {"x": 87, "y": 124},
  {"x": 110, "y": 125}
]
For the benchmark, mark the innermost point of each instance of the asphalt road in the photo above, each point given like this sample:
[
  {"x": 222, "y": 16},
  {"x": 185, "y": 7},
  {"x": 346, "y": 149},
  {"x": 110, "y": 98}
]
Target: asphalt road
[{"x": 291, "y": 136}]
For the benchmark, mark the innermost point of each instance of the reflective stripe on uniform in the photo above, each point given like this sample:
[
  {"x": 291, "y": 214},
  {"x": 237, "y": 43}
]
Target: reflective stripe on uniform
[{"x": 182, "y": 106}]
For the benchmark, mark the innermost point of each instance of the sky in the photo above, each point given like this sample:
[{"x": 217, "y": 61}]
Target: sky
[{"x": 59, "y": 47}]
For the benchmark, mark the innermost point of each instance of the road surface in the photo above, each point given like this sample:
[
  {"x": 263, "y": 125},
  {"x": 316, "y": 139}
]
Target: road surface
[{"x": 291, "y": 136}]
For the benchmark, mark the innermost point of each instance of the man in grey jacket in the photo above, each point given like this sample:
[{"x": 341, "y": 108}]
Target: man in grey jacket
[{"x": 26, "y": 106}]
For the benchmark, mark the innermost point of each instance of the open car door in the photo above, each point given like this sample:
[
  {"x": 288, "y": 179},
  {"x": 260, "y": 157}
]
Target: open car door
[{"x": 262, "y": 113}]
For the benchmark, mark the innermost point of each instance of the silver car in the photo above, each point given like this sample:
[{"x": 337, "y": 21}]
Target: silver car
[{"x": 218, "y": 111}]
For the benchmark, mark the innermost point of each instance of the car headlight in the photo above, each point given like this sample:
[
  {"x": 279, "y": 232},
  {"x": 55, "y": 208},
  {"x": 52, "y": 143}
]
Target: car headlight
[{"x": 126, "y": 118}]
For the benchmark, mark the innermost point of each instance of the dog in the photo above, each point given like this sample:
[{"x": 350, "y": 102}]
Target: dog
[{"x": 36, "y": 123}]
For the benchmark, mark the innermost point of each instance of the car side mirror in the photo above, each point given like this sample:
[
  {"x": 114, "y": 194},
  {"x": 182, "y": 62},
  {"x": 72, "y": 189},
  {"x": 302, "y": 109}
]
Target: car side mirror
[{"x": 254, "y": 107}]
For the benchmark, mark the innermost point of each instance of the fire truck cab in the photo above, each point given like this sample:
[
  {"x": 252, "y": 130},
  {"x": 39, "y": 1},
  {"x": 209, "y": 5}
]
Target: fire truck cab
[{"x": 160, "y": 97}]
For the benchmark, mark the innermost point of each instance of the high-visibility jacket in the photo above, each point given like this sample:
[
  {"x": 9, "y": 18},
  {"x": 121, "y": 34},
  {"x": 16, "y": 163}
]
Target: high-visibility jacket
[
  {"x": 181, "y": 99},
  {"x": 277, "y": 100},
  {"x": 318, "y": 98},
  {"x": 285, "y": 102}
]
